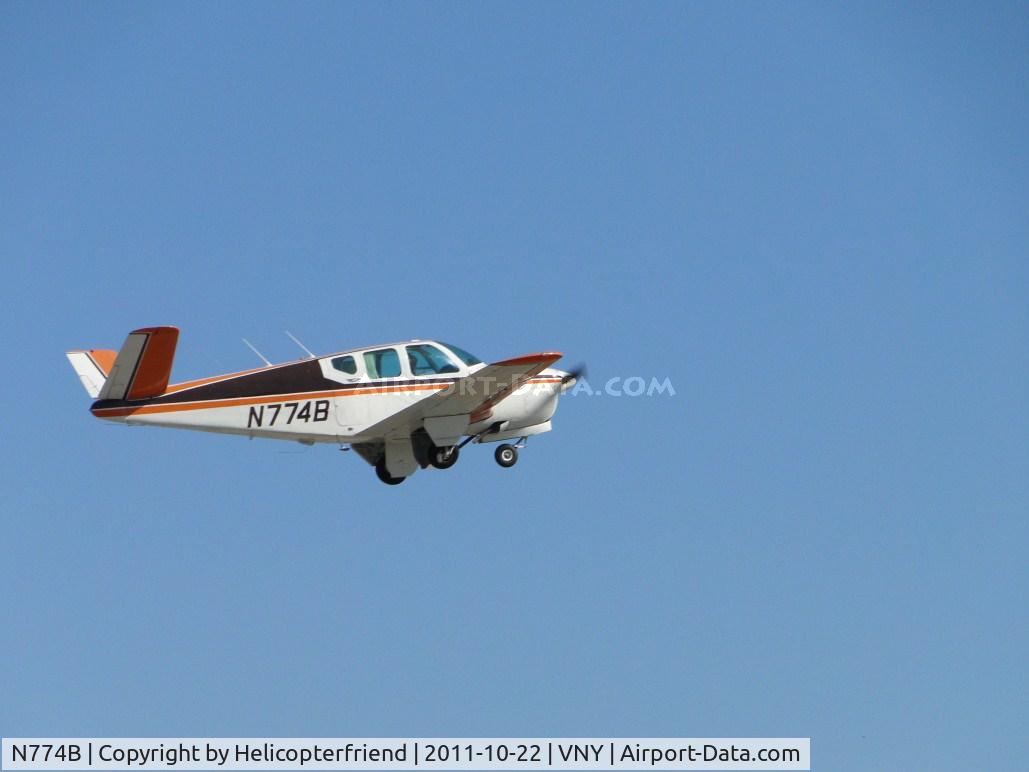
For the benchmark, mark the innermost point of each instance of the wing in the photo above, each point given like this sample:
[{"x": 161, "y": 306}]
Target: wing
[
  {"x": 467, "y": 400},
  {"x": 476, "y": 394}
]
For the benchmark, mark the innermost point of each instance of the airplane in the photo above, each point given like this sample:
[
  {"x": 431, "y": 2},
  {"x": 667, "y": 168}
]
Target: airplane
[{"x": 401, "y": 406}]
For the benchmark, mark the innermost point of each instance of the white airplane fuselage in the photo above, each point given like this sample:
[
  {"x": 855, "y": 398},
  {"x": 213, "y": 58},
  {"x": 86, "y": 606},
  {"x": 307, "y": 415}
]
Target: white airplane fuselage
[{"x": 396, "y": 404}]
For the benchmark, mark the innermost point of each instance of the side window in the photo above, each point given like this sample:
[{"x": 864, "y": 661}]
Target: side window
[
  {"x": 345, "y": 365},
  {"x": 428, "y": 360},
  {"x": 382, "y": 363}
]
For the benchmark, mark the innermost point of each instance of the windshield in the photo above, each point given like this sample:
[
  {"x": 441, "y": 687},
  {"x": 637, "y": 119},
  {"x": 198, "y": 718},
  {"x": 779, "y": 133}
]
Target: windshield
[
  {"x": 424, "y": 359},
  {"x": 463, "y": 355}
]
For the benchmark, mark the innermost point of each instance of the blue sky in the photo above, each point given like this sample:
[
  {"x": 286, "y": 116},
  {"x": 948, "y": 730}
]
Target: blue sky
[{"x": 812, "y": 218}]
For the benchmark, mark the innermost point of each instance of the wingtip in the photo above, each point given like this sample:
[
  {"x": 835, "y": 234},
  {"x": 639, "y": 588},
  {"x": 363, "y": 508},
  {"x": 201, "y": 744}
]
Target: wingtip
[{"x": 541, "y": 357}]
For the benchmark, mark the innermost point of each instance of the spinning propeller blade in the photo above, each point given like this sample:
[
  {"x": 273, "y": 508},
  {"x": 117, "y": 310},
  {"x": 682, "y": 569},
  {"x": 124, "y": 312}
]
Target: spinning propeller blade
[{"x": 574, "y": 374}]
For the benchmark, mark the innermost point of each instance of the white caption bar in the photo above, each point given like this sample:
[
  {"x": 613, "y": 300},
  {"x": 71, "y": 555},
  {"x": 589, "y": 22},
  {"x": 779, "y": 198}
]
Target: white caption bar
[{"x": 347, "y": 753}]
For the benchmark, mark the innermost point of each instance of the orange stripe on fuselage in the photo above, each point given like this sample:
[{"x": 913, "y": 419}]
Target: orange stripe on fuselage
[
  {"x": 114, "y": 412},
  {"x": 244, "y": 401}
]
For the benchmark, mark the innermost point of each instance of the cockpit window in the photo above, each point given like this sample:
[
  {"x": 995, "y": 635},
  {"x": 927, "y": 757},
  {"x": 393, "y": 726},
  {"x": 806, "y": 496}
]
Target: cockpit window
[
  {"x": 382, "y": 363},
  {"x": 429, "y": 360},
  {"x": 345, "y": 365},
  {"x": 464, "y": 356}
]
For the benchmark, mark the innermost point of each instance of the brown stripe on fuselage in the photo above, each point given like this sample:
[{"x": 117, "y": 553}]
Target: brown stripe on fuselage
[
  {"x": 118, "y": 408},
  {"x": 152, "y": 407},
  {"x": 217, "y": 378},
  {"x": 294, "y": 378}
]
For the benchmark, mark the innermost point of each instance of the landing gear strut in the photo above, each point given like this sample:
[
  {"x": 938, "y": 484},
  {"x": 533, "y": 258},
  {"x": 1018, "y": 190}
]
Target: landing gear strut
[
  {"x": 506, "y": 455},
  {"x": 445, "y": 457},
  {"x": 383, "y": 473}
]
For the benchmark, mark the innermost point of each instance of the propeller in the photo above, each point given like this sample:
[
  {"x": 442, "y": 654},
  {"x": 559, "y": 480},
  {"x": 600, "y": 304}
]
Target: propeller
[{"x": 574, "y": 374}]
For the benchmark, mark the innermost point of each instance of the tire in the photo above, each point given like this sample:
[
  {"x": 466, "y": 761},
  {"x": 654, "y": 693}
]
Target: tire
[
  {"x": 383, "y": 473},
  {"x": 506, "y": 455},
  {"x": 440, "y": 459}
]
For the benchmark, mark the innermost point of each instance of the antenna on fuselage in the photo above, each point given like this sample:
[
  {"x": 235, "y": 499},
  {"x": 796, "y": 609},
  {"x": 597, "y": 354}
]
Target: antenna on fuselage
[
  {"x": 307, "y": 351},
  {"x": 259, "y": 354}
]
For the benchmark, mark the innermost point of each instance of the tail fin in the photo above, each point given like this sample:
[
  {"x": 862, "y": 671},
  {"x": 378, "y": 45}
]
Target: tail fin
[
  {"x": 140, "y": 370},
  {"x": 92, "y": 367},
  {"x": 143, "y": 365}
]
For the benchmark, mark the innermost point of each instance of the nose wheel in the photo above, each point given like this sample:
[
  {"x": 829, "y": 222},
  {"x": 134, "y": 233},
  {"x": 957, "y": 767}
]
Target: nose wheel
[{"x": 506, "y": 455}]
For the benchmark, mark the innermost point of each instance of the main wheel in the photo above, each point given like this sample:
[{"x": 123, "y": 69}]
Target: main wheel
[
  {"x": 383, "y": 473},
  {"x": 506, "y": 455},
  {"x": 443, "y": 458}
]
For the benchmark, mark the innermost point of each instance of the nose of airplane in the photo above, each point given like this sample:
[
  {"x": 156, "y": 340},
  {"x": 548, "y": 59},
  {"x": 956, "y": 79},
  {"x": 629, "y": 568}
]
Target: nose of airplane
[
  {"x": 553, "y": 372},
  {"x": 569, "y": 378}
]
